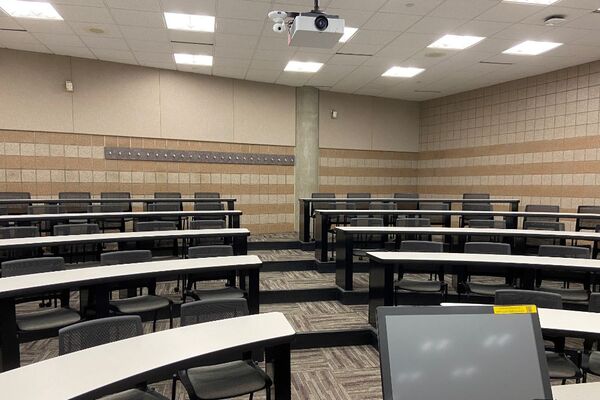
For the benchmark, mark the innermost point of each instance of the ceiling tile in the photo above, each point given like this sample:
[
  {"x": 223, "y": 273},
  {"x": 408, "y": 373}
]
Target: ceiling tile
[
  {"x": 463, "y": 9},
  {"x": 261, "y": 75},
  {"x": 436, "y": 25},
  {"x": 236, "y": 41},
  {"x": 105, "y": 43},
  {"x": 421, "y": 7},
  {"x": 114, "y": 55},
  {"x": 146, "y": 45},
  {"x": 15, "y": 37},
  {"x": 201, "y": 7},
  {"x": 82, "y": 52},
  {"x": 140, "y": 5},
  {"x": 84, "y": 14},
  {"x": 153, "y": 56},
  {"x": 586, "y": 21},
  {"x": 508, "y": 12},
  {"x": 83, "y": 29},
  {"x": 37, "y": 25},
  {"x": 241, "y": 26},
  {"x": 191, "y": 48},
  {"x": 9, "y": 23},
  {"x": 191, "y": 37},
  {"x": 391, "y": 22},
  {"x": 357, "y": 4},
  {"x": 59, "y": 40},
  {"x": 35, "y": 47},
  {"x": 243, "y": 9},
  {"x": 229, "y": 72},
  {"x": 354, "y": 18},
  {"x": 151, "y": 64},
  {"x": 340, "y": 59},
  {"x": 147, "y": 34},
  {"x": 138, "y": 18}
]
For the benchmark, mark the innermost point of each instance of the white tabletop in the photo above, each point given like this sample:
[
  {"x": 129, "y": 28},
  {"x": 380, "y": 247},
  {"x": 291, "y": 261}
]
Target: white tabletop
[
  {"x": 582, "y": 391},
  {"x": 41, "y": 241},
  {"x": 396, "y": 257},
  {"x": 404, "y": 200},
  {"x": 122, "y": 200},
  {"x": 568, "y": 321},
  {"x": 108, "y": 215},
  {"x": 461, "y": 212},
  {"x": 88, "y": 371},
  {"x": 34, "y": 283}
]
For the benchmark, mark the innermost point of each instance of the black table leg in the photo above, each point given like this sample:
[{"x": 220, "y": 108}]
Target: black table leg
[
  {"x": 381, "y": 288},
  {"x": 10, "y": 357},
  {"x": 240, "y": 245},
  {"x": 322, "y": 223},
  {"x": 304, "y": 221},
  {"x": 234, "y": 221},
  {"x": 231, "y": 204},
  {"x": 344, "y": 263},
  {"x": 94, "y": 301},
  {"x": 253, "y": 290},
  {"x": 279, "y": 369}
]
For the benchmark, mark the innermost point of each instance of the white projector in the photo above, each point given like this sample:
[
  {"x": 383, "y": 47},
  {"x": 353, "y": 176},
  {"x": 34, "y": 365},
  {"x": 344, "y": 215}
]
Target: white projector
[{"x": 315, "y": 30}]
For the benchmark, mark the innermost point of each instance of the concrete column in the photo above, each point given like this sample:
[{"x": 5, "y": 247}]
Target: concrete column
[{"x": 306, "y": 168}]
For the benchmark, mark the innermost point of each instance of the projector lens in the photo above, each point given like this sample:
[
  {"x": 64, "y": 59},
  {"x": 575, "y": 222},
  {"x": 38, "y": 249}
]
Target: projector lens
[{"x": 321, "y": 23}]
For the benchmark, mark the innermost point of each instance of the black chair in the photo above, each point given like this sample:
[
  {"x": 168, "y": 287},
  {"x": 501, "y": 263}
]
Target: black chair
[
  {"x": 77, "y": 252},
  {"x": 422, "y": 286},
  {"x": 560, "y": 365},
  {"x": 588, "y": 224},
  {"x": 360, "y": 205},
  {"x": 167, "y": 195},
  {"x": 593, "y": 306},
  {"x": 532, "y": 245},
  {"x": 569, "y": 295},
  {"x": 487, "y": 289},
  {"x": 476, "y": 196},
  {"x": 466, "y": 219},
  {"x": 45, "y": 227},
  {"x": 367, "y": 242},
  {"x": 75, "y": 207},
  {"x": 207, "y": 195},
  {"x": 227, "y": 292},
  {"x": 142, "y": 303},
  {"x": 407, "y": 205},
  {"x": 162, "y": 207},
  {"x": 48, "y": 320},
  {"x": 117, "y": 223},
  {"x": 207, "y": 224},
  {"x": 378, "y": 205},
  {"x": 541, "y": 208},
  {"x": 13, "y": 232},
  {"x": 436, "y": 220},
  {"x": 157, "y": 245},
  {"x": 208, "y": 207},
  {"x": 229, "y": 379},
  {"x": 14, "y": 208},
  {"x": 321, "y": 205},
  {"x": 412, "y": 223},
  {"x": 486, "y": 224},
  {"x": 102, "y": 331}
]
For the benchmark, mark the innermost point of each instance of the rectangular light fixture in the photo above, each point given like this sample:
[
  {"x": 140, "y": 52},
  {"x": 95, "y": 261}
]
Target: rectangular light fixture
[
  {"x": 532, "y": 48},
  {"x": 456, "y": 42},
  {"x": 190, "y": 22},
  {"x": 403, "y": 72},
  {"x": 30, "y": 9},
  {"x": 299, "y": 66},
  {"x": 348, "y": 33},
  {"x": 542, "y": 2},
  {"x": 193, "y": 59}
]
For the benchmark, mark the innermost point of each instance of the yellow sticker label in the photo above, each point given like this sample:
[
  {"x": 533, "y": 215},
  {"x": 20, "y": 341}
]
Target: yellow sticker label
[{"x": 524, "y": 309}]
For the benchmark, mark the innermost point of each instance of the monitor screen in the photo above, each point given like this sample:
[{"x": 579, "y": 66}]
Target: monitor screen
[{"x": 461, "y": 353}]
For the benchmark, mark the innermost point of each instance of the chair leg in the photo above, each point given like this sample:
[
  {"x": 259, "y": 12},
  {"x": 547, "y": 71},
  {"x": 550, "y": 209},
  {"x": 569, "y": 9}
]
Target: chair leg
[
  {"x": 171, "y": 316},
  {"x": 154, "y": 321},
  {"x": 268, "y": 392},
  {"x": 174, "y": 387},
  {"x": 251, "y": 396}
]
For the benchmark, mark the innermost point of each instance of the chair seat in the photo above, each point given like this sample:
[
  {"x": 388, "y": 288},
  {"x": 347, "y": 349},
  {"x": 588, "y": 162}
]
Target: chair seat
[
  {"x": 52, "y": 318},
  {"x": 135, "y": 394},
  {"x": 420, "y": 286},
  {"x": 227, "y": 380},
  {"x": 570, "y": 295},
  {"x": 486, "y": 289},
  {"x": 560, "y": 367},
  {"x": 138, "y": 304},
  {"x": 228, "y": 292}
]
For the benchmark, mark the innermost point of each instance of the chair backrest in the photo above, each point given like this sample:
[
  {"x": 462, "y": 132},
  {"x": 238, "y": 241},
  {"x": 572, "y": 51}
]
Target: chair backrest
[
  {"x": 359, "y": 205},
  {"x": 76, "y": 229},
  {"x": 544, "y": 225},
  {"x": 594, "y": 302},
  {"x": 108, "y": 208},
  {"x": 125, "y": 257},
  {"x": 163, "y": 207},
  {"x": 96, "y": 332},
  {"x": 75, "y": 195},
  {"x": 406, "y": 195},
  {"x": 436, "y": 219},
  {"x": 407, "y": 205},
  {"x": 359, "y": 195},
  {"x": 323, "y": 195},
  {"x": 75, "y": 207},
  {"x": 564, "y": 251},
  {"x": 540, "y": 299},
  {"x": 208, "y": 206},
  {"x": 207, "y": 224},
  {"x": 587, "y": 223},
  {"x": 167, "y": 195},
  {"x": 541, "y": 208},
  {"x": 11, "y": 232},
  {"x": 477, "y": 207},
  {"x": 115, "y": 195},
  {"x": 118, "y": 207},
  {"x": 155, "y": 226},
  {"x": 14, "y": 195},
  {"x": 475, "y": 196},
  {"x": 210, "y": 251},
  {"x": 200, "y": 311},
  {"x": 366, "y": 222},
  {"x": 413, "y": 222},
  {"x": 207, "y": 195},
  {"x": 378, "y": 205},
  {"x": 487, "y": 223},
  {"x": 487, "y": 248},
  {"x": 28, "y": 266},
  {"x": 43, "y": 209},
  {"x": 14, "y": 208},
  {"x": 422, "y": 246}
]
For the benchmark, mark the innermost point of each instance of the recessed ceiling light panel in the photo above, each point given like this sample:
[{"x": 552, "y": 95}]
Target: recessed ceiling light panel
[
  {"x": 348, "y": 33},
  {"x": 190, "y": 22},
  {"x": 193, "y": 59},
  {"x": 456, "y": 42},
  {"x": 299, "y": 66},
  {"x": 403, "y": 72},
  {"x": 541, "y": 2},
  {"x": 532, "y": 48},
  {"x": 30, "y": 9}
]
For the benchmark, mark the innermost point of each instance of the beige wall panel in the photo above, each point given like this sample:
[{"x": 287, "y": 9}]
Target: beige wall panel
[
  {"x": 264, "y": 114},
  {"x": 196, "y": 107},
  {"x": 32, "y": 92},
  {"x": 395, "y": 125},
  {"x": 115, "y": 99},
  {"x": 352, "y": 128}
]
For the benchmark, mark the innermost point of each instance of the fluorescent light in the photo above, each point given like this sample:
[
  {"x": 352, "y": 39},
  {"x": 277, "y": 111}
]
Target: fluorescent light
[
  {"x": 193, "y": 59},
  {"x": 542, "y": 2},
  {"x": 403, "y": 72},
  {"x": 532, "y": 48},
  {"x": 30, "y": 9},
  {"x": 348, "y": 33},
  {"x": 456, "y": 42},
  {"x": 190, "y": 22},
  {"x": 299, "y": 66}
]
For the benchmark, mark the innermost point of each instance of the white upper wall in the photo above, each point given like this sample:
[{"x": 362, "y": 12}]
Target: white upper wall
[{"x": 368, "y": 123}]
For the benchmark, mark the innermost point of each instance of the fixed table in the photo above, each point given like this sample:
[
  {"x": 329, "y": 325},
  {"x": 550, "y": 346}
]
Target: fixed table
[
  {"x": 97, "y": 282},
  {"x": 582, "y": 391},
  {"x": 344, "y": 267},
  {"x": 229, "y": 200},
  {"x": 232, "y": 215},
  {"x": 121, "y": 365},
  {"x": 307, "y": 205},
  {"x": 383, "y": 265},
  {"x": 323, "y": 220}
]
